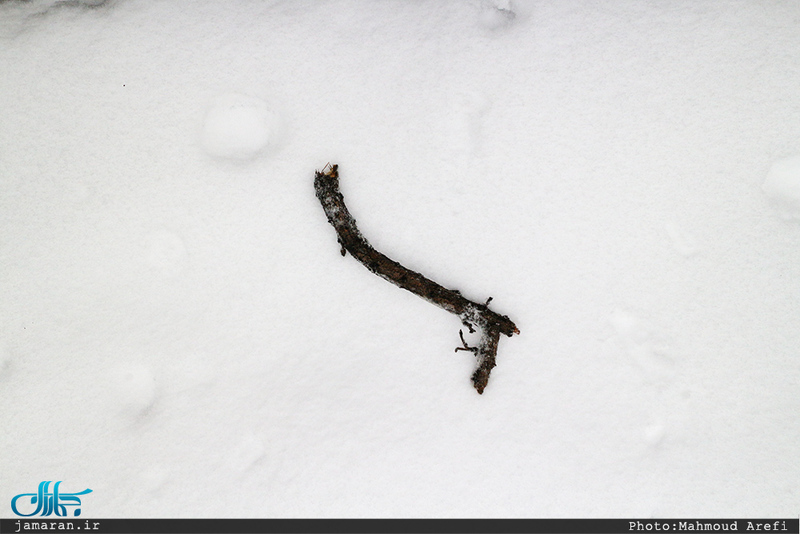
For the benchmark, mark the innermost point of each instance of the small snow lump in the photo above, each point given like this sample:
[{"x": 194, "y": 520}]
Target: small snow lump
[
  {"x": 239, "y": 127},
  {"x": 782, "y": 187}
]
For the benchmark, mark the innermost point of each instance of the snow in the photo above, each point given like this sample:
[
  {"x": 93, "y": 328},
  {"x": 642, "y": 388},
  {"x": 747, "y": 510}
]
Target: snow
[
  {"x": 134, "y": 386},
  {"x": 496, "y": 15},
  {"x": 239, "y": 127},
  {"x": 782, "y": 186},
  {"x": 179, "y": 333},
  {"x": 682, "y": 241},
  {"x": 642, "y": 345}
]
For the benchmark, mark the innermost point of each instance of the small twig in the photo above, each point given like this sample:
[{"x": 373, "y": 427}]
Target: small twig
[
  {"x": 464, "y": 342},
  {"x": 491, "y": 324}
]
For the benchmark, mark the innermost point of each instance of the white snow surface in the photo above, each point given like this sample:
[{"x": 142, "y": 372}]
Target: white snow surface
[
  {"x": 179, "y": 333},
  {"x": 239, "y": 127},
  {"x": 782, "y": 186}
]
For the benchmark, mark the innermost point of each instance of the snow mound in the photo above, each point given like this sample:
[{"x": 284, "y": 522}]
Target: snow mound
[
  {"x": 5, "y": 360},
  {"x": 239, "y": 127},
  {"x": 135, "y": 388},
  {"x": 496, "y": 15},
  {"x": 682, "y": 242},
  {"x": 782, "y": 187}
]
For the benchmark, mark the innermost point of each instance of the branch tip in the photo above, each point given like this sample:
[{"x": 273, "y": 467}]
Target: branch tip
[{"x": 491, "y": 324}]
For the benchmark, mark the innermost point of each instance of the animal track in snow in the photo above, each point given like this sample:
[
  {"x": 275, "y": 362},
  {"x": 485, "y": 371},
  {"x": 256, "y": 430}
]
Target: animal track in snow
[
  {"x": 642, "y": 344},
  {"x": 466, "y": 121}
]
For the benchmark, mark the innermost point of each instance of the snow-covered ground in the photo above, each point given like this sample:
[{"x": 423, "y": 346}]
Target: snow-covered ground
[{"x": 179, "y": 333}]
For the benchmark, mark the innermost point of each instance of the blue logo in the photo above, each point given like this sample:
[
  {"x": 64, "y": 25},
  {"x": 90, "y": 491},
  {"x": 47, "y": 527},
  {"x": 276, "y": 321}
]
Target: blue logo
[{"x": 51, "y": 503}]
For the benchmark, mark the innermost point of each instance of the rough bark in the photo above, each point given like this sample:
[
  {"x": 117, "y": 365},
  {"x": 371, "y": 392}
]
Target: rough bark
[{"x": 472, "y": 314}]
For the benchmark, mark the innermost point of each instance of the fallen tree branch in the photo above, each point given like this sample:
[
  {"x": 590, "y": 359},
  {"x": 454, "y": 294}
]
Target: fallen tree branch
[{"x": 472, "y": 314}]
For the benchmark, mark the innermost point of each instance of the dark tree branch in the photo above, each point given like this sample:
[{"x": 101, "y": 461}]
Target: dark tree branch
[{"x": 472, "y": 314}]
